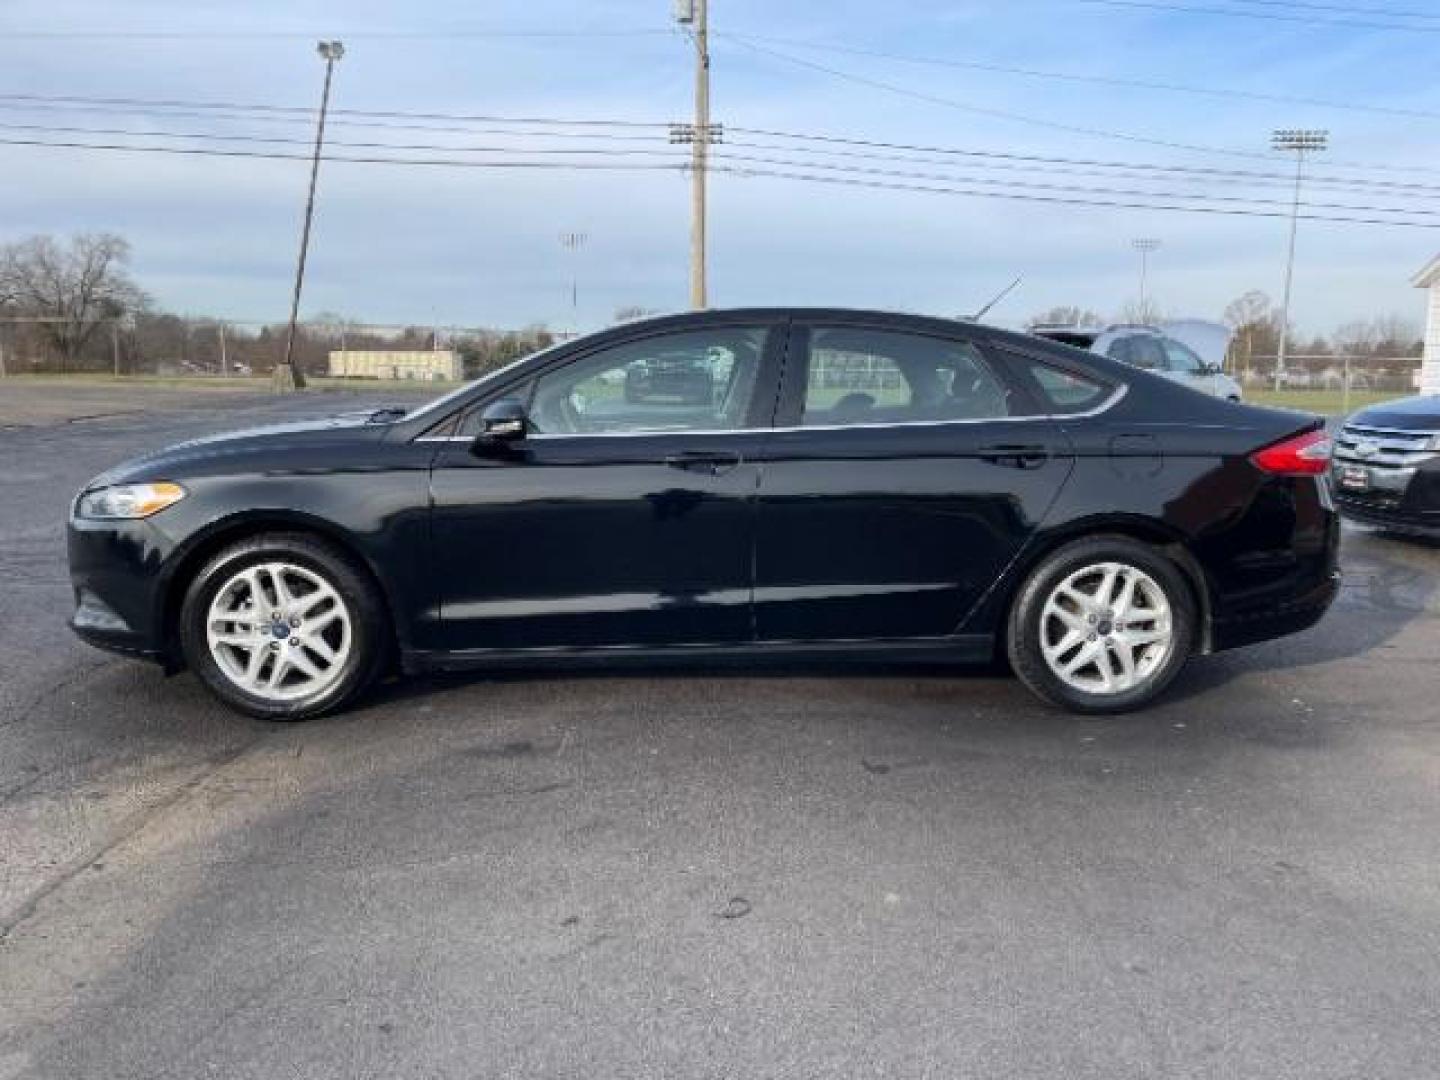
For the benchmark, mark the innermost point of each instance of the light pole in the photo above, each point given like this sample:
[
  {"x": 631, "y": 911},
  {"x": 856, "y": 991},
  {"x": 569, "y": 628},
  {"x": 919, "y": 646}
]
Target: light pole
[
  {"x": 1144, "y": 245},
  {"x": 1298, "y": 141},
  {"x": 287, "y": 377},
  {"x": 573, "y": 242}
]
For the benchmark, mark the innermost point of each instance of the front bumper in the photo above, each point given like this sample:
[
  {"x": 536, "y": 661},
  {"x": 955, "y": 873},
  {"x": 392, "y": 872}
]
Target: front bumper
[
  {"x": 1397, "y": 515},
  {"x": 115, "y": 569}
]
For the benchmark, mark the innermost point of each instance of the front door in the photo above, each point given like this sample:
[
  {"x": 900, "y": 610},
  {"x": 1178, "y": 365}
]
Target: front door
[
  {"x": 905, "y": 472},
  {"x": 625, "y": 517}
]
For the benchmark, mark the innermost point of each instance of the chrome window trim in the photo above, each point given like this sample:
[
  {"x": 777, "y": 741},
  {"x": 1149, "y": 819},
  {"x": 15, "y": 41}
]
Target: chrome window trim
[{"x": 1116, "y": 395}]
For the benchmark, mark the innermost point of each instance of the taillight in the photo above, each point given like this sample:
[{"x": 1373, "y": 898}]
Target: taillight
[{"x": 1301, "y": 455}]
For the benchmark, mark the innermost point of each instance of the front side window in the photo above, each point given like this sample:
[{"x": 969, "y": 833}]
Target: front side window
[
  {"x": 860, "y": 376},
  {"x": 698, "y": 380}
]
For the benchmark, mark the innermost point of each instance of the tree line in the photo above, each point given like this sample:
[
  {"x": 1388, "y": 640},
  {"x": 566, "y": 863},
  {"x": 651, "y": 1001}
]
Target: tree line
[{"x": 73, "y": 306}]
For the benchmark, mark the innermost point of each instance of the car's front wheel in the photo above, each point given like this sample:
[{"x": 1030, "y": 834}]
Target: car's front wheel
[
  {"x": 1102, "y": 625},
  {"x": 283, "y": 626}
]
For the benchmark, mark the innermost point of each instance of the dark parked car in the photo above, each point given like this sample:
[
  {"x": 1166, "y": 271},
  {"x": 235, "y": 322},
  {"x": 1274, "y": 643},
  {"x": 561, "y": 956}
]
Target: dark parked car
[
  {"x": 1387, "y": 466},
  {"x": 859, "y": 484}
]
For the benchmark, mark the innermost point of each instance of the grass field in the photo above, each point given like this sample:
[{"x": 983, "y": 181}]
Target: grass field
[{"x": 1324, "y": 402}]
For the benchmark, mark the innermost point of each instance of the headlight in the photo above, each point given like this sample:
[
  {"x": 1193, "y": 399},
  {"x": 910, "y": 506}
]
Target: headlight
[{"x": 127, "y": 502}]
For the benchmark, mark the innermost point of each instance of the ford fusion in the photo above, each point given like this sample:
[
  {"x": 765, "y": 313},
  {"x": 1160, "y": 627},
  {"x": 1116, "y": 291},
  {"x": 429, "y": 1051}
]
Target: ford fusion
[
  {"x": 751, "y": 484},
  {"x": 1387, "y": 466}
]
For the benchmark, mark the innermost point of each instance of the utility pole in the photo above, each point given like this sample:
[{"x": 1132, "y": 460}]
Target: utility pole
[
  {"x": 694, "y": 16},
  {"x": 287, "y": 377},
  {"x": 224, "y": 353},
  {"x": 573, "y": 242},
  {"x": 1144, "y": 245},
  {"x": 1298, "y": 141},
  {"x": 115, "y": 345}
]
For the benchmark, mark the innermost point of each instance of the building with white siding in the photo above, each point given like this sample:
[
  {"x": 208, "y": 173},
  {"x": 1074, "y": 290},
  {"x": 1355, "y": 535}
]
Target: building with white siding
[
  {"x": 424, "y": 364},
  {"x": 1429, "y": 278}
]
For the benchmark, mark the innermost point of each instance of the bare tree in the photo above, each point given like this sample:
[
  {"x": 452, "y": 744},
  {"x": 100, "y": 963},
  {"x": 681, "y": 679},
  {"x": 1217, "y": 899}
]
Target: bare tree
[
  {"x": 76, "y": 288},
  {"x": 1141, "y": 312}
]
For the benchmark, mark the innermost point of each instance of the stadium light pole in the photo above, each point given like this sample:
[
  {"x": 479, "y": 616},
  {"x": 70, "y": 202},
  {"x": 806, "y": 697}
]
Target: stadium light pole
[
  {"x": 287, "y": 376},
  {"x": 1298, "y": 141},
  {"x": 1145, "y": 245}
]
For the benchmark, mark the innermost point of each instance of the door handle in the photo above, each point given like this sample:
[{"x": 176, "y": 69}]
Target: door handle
[
  {"x": 1016, "y": 455},
  {"x": 703, "y": 461}
]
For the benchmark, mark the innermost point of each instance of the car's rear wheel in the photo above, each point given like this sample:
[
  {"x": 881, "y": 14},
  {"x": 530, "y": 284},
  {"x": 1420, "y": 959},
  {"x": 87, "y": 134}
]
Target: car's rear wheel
[
  {"x": 283, "y": 626},
  {"x": 1102, "y": 625}
]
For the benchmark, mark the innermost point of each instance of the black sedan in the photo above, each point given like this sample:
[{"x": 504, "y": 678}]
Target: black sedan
[
  {"x": 1387, "y": 466},
  {"x": 853, "y": 484}
]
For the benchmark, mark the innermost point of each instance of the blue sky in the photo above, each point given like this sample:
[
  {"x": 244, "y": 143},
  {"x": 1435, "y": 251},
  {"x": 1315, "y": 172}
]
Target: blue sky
[{"x": 474, "y": 246}]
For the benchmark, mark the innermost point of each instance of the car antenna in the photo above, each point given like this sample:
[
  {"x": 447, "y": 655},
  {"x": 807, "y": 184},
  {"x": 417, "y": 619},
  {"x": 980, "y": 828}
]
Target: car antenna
[{"x": 997, "y": 298}]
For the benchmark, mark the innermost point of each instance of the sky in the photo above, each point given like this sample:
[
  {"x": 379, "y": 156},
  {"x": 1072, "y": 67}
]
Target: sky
[{"x": 420, "y": 244}]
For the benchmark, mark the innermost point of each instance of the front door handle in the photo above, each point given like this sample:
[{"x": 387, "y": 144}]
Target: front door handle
[
  {"x": 703, "y": 461},
  {"x": 1016, "y": 455}
]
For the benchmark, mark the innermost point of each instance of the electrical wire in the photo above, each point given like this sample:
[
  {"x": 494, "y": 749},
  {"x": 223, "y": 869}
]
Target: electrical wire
[
  {"x": 1101, "y": 80},
  {"x": 1071, "y": 201},
  {"x": 1271, "y": 16},
  {"x": 1074, "y": 196}
]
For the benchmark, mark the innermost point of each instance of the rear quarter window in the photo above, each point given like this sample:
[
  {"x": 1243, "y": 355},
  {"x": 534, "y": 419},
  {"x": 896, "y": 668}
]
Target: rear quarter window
[{"x": 1064, "y": 392}]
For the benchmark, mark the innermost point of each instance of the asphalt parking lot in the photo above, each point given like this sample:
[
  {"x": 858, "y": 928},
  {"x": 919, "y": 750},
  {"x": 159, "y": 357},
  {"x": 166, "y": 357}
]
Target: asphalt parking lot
[{"x": 794, "y": 873}]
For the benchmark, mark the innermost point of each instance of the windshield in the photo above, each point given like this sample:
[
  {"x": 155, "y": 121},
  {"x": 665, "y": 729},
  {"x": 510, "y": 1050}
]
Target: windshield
[{"x": 440, "y": 404}]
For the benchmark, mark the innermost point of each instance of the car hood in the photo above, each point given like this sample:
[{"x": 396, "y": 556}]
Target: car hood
[
  {"x": 181, "y": 459},
  {"x": 1209, "y": 339},
  {"x": 1407, "y": 414}
]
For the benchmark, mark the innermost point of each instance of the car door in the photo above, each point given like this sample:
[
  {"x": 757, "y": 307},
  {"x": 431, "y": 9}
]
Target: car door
[
  {"x": 907, "y": 469},
  {"x": 625, "y": 515}
]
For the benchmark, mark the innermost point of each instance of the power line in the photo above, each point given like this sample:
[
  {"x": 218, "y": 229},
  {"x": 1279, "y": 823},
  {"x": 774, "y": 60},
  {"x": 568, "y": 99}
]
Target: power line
[
  {"x": 309, "y": 113},
  {"x": 282, "y": 140},
  {"x": 1301, "y": 20},
  {"x": 1069, "y": 201},
  {"x": 311, "y": 35},
  {"x": 1102, "y": 80},
  {"x": 1124, "y": 192},
  {"x": 201, "y": 151},
  {"x": 1348, "y": 9},
  {"x": 268, "y": 113},
  {"x": 663, "y": 148},
  {"x": 979, "y": 110},
  {"x": 1074, "y": 196}
]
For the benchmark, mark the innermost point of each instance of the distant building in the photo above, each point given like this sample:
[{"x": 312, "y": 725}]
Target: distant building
[
  {"x": 425, "y": 365},
  {"x": 1429, "y": 278}
]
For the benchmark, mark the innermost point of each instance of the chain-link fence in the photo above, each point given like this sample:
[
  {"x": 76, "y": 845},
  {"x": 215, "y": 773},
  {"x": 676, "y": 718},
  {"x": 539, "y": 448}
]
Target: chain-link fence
[{"x": 1333, "y": 384}]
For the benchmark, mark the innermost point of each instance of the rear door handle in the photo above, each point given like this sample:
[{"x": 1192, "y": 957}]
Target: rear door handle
[
  {"x": 1016, "y": 455},
  {"x": 703, "y": 461}
]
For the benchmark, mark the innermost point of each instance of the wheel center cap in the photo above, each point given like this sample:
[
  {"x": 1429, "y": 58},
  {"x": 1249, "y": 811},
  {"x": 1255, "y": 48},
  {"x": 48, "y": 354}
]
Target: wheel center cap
[
  {"x": 279, "y": 630},
  {"x": 1105, "y": 627}
]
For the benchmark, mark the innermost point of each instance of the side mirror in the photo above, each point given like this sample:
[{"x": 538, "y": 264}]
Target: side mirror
[{"x": 503, "y": 421}]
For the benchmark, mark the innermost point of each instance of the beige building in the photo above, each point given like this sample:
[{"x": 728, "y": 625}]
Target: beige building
[{"x": 421, "y": 364}]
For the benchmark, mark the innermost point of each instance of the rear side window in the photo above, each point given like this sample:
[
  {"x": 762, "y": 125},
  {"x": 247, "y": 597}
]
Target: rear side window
[
  {"x": 859, "y": 376},
  {"x": 1064, "y": 392}
]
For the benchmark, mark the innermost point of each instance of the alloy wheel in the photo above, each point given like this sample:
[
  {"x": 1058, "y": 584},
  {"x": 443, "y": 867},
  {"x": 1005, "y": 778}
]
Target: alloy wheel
[
  {"x": 279, "y": 631},
  {"x": 1106, "y": 628}
]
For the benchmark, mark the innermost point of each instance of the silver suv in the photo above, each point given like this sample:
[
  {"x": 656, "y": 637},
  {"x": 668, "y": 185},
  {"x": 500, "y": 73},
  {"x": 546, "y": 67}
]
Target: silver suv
[{"x": 1159, "y": 349}]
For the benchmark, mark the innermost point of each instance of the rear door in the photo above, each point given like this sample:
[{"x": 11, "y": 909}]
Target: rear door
[{"x": 906, "y": 470}]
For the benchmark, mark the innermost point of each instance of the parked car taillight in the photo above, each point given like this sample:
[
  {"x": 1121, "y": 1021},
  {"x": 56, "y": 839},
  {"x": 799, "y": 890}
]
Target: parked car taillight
[{"x": 1300, "y": 455}]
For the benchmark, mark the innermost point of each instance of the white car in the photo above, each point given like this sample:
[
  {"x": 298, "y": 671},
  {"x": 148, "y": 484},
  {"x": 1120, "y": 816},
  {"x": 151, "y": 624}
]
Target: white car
[{"x": 1189, "y": 351}]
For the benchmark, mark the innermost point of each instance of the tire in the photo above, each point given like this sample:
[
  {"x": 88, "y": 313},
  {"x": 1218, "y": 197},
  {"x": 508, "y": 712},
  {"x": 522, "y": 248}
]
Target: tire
[
  {"x": 1066, "y": 595},
  {"x": 313, "y": 666}
]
